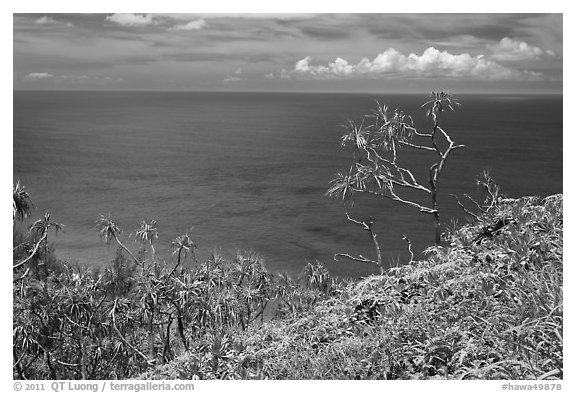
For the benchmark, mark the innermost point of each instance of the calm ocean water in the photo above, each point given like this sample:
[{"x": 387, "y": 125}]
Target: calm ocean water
[{"x": 248, "y": 171}]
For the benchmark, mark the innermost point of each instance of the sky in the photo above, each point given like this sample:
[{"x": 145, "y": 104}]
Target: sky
[{"x": 398, "y": 53}]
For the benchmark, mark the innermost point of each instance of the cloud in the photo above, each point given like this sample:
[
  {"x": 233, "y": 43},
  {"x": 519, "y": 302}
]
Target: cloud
[
  {"x": 72, "y": 78},
  {"x": 183, "y": 23},
  {"x": 48, "y": 20},
  {"x": 236, "y": 76},
  {"x": 392, "y": 63},
  {"x": 43, "y": 20},
  {"x": 131, "y": 19},
  {"x": 83, "y": 79},
  {"x": 192, "y": 25},
  {"x": 509, "y": 49},
  {"x": 75, "y": 78},
  {"x": 38, "y": 76},
  {"x": 232, "y": 78}
]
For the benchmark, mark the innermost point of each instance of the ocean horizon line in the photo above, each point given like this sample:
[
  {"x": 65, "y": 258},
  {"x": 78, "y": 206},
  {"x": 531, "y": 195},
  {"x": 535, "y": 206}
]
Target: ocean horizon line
[{"x": 316, "y": 92}]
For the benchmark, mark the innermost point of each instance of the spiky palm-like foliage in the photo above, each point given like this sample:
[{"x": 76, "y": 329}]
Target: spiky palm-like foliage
[
  {"x": 21, "y": 203},
  {"x": 41, "y": 226},
  {"x": 110, "y": 231},
  {"x": 182, "y": 244},
  {"x": 40, "y": 229},
  {"x": 147, "y": 233}
]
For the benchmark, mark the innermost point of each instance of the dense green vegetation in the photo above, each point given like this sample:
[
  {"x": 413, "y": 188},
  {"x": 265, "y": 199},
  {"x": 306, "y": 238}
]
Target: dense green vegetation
[{"x": 487, "y": 306}]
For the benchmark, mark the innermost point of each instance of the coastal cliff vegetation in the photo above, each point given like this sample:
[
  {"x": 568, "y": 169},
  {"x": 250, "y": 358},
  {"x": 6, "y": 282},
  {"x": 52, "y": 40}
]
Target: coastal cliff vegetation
[{"x": 489, "y": 305}]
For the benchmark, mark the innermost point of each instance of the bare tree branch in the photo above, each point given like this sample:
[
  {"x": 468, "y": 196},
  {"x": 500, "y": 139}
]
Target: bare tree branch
[
  {"x": 33, "y": 252},
  {"x": 360, "y": 258},
  {"x": 74, "y": 365},
  {"x": 422, "y": 134},
  {"x": 405, "y": 238},
  {"x": 475, "y": 202},
  {"x": 417, "y": 146},
  {"x": 367, "y": 226},
  {"x": 464, "y": 207},
  {"x": 22, "y": 276},
  {"x": 423, "y": 209}
]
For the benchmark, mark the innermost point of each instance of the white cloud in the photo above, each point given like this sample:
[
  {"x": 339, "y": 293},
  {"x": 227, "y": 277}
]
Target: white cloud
[
  {"x": 131, "y": 19},
  {"x": 75, "y": 78},
  {"x": 231, "y": 78},
  {"x": 392, "y": 63},
  {"x": 43, "y": 20},
  {"x": 38, "y": 76},
  {"x": 236, "y": 76},
  {"x": 48, "y": 20},
  {"x": 192, "y": 25},
  {"x": 509, "y": 49}
]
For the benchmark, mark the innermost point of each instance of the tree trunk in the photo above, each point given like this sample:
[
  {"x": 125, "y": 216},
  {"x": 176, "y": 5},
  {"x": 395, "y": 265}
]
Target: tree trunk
[
  {"x": 46, "y": 259},
  {"x": 434, "y": 196},
  {"x": 127, "y": 250},
  {"x": 377, "y": 247},
  {"x": 167, "y": 352},
  {"x": 178, "y": 263},
  {"x": 151, "y": 336},
  {"x": 50, "y": 367},
  {"x": 18, "y": 367},
  {"x": 437, "y": 228},
  {"x": 181, "y": 330}
]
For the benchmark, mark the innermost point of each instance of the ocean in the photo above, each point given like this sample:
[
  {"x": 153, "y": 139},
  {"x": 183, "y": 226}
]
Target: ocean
[{"x": 249, "y": 171}]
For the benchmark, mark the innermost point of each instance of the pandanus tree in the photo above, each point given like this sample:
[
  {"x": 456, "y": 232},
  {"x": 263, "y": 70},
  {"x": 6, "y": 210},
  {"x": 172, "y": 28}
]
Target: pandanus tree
[
  {"x": 110, "y": 231},
  {"x": 376, "y": 142},
  {"x": 21, "y": 203},
  {"x": 21, "y": 209},
  {"x": 40, "y": 228},
  {"x": 147, "y": 233},
  {"x": 182, "y": 245}
]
